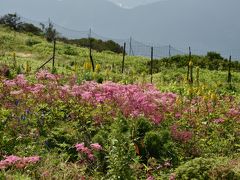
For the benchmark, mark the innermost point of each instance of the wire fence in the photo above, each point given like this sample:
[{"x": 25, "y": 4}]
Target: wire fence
[{"x": 133, "y": 47}]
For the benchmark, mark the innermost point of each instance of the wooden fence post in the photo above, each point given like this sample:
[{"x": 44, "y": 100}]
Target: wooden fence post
[
  {"x": 188, "y": 71},
  {"x": 151, "y": 64},
  {"x": 124, "y": 52},
  {"x": 229, "y": 71},
  {"x": 169, "y": 51},
  {"x": 54, "y": 53},
  {"x": 90, "y": 50}
]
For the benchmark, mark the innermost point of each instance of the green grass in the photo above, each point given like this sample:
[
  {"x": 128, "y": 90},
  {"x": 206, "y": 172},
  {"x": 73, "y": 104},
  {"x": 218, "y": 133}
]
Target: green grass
[
  {"x": 136, "y": 67},
  {"x": 71, "y": 121}
]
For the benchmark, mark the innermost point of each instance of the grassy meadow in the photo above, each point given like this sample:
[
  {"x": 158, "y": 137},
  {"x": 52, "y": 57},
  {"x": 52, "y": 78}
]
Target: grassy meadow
[{"x": 72, "y": 123}]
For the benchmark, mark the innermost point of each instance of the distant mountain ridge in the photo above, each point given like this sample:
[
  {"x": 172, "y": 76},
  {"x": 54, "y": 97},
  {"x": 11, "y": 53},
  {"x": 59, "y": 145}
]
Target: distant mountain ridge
[{"x": 202, "y": 24}]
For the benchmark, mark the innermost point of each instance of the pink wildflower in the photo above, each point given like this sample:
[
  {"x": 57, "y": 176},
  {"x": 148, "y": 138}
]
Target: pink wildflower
[
  {"x": 150, "y": 178},
  {"x": 91, "y": 156},
  {"x": 18, "y": 161},
  {"x": 184, "y": 136},
  {"x": 172, "y": 176},
  {"x": 79, "y": 147},
  {"x": 86, "y": 150},
  {"x": 9, "y": 83},
  {"x": 233, "y": 112},
  {"x": 96, "y": 146},
  {"x": 218, "y": 121},
  {"x": 32, "y": 159},
  {"x": 45, "y": 75},
  {"x": 20, "y": 80},
  {"x": 16, "y": 92},
  {"x": 178, "y": 115}
]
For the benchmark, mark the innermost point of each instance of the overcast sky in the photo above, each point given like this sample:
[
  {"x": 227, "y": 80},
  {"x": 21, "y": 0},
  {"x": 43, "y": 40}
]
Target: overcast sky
[{"x": 132, "y": 3}]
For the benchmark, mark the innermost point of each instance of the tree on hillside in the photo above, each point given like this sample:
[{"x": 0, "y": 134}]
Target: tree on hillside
[
  {"x": 214, "y": 55},
  {"x": 50, "y": 32},
  {"x": 11, "y": 20},
  {"x": 27, "y": 27}
]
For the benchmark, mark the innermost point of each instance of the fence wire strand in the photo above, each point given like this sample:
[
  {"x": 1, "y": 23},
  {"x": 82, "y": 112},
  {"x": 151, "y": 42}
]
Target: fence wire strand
[{"x": 133, "y": 46}]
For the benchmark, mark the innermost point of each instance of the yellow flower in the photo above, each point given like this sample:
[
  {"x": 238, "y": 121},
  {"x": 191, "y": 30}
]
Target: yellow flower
[
  {"x": 27, "y": 67},
  {"x": 107, "y": 72},
  {"x": 87, "y": 66},
  {"x": 205, "y": 98},
  {"x": 98, "y": 68},
  {"x": 178, "y": 100},
  {"x": 213, "y": 96},
  {"x": 94, "y": 74},
  {"x": 190, "y": 63},
  {"x": 190, "y": 91},
  {"x": 199, "y": 92}
]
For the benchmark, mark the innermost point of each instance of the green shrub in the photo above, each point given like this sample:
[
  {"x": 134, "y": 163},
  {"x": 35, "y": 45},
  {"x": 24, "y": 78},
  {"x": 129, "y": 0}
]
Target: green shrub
[
  {"x": 5, "y": 71},
  {"x": 196, "y": 169},
  {"x": 142, "y": 127},
  {"x": 121, "y": 152},
  {"x": 102, "y": 138},
  {"x": 159, "y": 145},
  {"x": 70, "y": 51},
  {"x": 208, "y": 168},
  {"x": 31, "y": 42},
  {"x": 229, "y": 170}
]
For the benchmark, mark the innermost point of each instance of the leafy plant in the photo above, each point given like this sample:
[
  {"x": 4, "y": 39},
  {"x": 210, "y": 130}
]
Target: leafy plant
[{"x": 121, "y": 151}]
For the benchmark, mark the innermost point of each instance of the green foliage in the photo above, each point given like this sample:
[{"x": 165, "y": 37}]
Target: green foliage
[
  {"x": 142, "y": 127},
  {"x": 159, "y": 145},
  {"x": 209, "y": 168},
  {"x": 49, "y": 32},
  {"x": 97, "y": 44},
  {"x": 32, "y": 42},
  {"x": 30, "y": 28},
  {"x": 214, "y": 55},
  {"x": 11, "y": 20},
  {"x": 5, "y": 71},
  {"x": 19, "y": 69},
  {"x": 54, "y": 70},
  {"x": 102, "y": 138},
  {"x": 121, "y": 152},
  {"x": 212, "y": 61},
  {"x": 195, "y": 169},
  {"x": 69, "y": 50},
  {"x": 50, "y": 127}
]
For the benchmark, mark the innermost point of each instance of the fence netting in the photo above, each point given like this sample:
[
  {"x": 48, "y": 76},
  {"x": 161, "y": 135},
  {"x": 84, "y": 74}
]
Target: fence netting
[{"x": 133, "y": 46}]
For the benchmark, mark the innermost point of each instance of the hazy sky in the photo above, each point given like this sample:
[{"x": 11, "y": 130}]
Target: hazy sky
[{"x": 132, "y": 3}]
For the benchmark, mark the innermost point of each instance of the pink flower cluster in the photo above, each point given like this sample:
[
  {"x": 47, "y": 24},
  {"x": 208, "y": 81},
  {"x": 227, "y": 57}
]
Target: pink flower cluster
[
  {"x": 183, "y": 136},
  {"x": 20, "y": 85},
  {"x": 45, "y": 75},
  {"x": 218, "y": 120},
  {"x": 18, "y": 162},
  {"x": 150, "y": 178},
  {"x": 234, "y": 113},
  {"x": 131, "y": 100},
  {"x": 85, "y": 150}
]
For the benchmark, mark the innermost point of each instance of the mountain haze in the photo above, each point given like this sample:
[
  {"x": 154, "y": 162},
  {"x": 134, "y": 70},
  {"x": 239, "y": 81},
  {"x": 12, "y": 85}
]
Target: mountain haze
[{"x": 202, "y": 24}]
